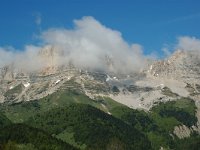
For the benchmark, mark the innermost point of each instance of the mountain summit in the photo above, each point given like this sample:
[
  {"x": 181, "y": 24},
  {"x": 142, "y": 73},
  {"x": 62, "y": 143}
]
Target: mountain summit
[{"x": 182, "y": 65}]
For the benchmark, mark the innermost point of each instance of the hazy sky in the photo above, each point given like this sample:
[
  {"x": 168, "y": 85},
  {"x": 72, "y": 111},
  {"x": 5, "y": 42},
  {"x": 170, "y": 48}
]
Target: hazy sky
[{"x": 154, "y": 24}]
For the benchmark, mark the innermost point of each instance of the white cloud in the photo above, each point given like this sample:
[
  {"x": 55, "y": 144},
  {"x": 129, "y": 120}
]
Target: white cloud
[
  {"x": 188, "y": 43},
  {"x": 6, "y": 56},
  {"x": 26, "y": 60},
  {"x": 29, "y": 60},
  {"x": 88, "y": 45}
]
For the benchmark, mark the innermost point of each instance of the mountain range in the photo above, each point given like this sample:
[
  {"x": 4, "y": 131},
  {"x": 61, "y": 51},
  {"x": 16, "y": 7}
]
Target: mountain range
[{"x": 157, "y": 107}]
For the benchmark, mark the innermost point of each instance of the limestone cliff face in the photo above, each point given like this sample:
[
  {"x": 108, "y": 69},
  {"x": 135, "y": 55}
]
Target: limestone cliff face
[
  {"x": 7, "y": 73},
  {"x": 51, "y": 57},
  {"x": 184, "y": 66}
]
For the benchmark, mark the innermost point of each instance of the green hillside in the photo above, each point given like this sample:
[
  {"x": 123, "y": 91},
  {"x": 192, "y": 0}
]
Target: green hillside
[
  {"x": 4, "y": 120},
  {"x": 69, "y": 116},
  {"x": 159, "y": 123},
  {"x": 18, "y": 136},
  {"x": 90, "y": 127},
  {"x": 20, "y": 112}
]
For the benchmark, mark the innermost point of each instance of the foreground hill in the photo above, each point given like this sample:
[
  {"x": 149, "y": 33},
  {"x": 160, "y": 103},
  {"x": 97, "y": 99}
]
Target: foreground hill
[
  {"x": 90, "y": 128},
  {"x": 76, "y": 119},
  {"x": 21, "y": 136}
]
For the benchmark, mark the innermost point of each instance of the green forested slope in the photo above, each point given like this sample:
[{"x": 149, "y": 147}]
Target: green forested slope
[
  {"x": 20, "y": 112},
  {"x": 91, "y": 127},
  {"x": 69, "y": 116},
  {"x": 23, "y": 134},
  {"x": 159, "y": 123},
  {"x": 4, "y": 120}
]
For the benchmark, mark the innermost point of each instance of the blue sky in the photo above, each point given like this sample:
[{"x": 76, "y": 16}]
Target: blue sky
[{"x": 152, "y": 23}]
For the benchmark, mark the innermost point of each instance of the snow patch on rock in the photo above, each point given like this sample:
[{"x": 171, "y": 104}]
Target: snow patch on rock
[{"x": 27, "y": 84}]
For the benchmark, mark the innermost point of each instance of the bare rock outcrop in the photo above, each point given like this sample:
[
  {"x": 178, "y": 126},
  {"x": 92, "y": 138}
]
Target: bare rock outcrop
[
  {"x": 182, "y": 65},
  {"x": 182, "y": 131}
]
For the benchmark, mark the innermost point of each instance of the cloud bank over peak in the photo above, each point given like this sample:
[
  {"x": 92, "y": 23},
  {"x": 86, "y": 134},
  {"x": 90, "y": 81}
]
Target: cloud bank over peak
[
  {"x": 187, "y": 43},
  {"x": 89, "y": 45},
  {"x": 26, "y": 60},
  {"x": 184, "y": 43}
]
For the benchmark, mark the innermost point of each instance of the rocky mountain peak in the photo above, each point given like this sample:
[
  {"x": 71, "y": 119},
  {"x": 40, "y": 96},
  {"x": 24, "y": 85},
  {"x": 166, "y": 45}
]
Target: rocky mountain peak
[
  {"x": 50, "y": 51},
  {"x": 181, "y": 65},
  {"x": 51, "y": 56},
  {"x": 7, "y": 72}
]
